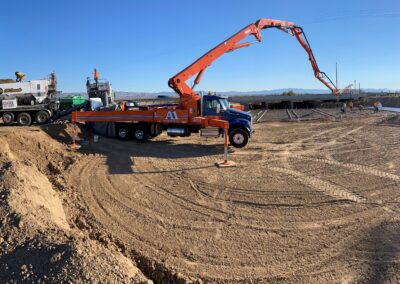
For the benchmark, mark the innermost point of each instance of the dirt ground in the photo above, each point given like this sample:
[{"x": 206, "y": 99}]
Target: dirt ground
[{"x": 314, "y": 201}]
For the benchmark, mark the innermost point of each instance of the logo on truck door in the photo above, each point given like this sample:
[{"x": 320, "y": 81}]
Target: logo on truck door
[
  {"x": 171, "y": 115},
  {"x": 11, "y": 90}
]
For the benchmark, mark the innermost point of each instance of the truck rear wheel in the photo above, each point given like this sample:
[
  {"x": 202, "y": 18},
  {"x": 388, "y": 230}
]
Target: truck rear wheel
[
  {"x": 124, "y": 132},
  {"x": 24, "y": 119},
  {"x": 140, "y": 134},
  {"x": 42, "y": 117},
  {"x": 8, "y": 118},
  {"x": 238, "y": 138}
]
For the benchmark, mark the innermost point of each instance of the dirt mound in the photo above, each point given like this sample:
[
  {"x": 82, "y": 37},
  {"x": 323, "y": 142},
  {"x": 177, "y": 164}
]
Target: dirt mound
[
  {"x": 58, "y": 258},
  {"x": 37, "y": 242},
  {"x": 31, "y": 196}
]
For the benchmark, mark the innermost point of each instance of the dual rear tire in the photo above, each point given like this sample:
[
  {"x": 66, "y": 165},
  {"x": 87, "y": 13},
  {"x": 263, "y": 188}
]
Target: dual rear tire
[
  {"x": 140, "y": 134},
  {"x": 42, "y": 117},
  {"x": 25, "y": 118},
  {"x": 8, "y": 118},
  {"x": 126, "y": 132}
]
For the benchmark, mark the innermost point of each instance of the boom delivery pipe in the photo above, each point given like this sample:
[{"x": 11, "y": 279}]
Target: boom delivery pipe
[{"x": 189, "y": 98}]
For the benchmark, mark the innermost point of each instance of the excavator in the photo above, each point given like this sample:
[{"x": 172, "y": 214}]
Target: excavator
[{"x": 195, "y": 112}]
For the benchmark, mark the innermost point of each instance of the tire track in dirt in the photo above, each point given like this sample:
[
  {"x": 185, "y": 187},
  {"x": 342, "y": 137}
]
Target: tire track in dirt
[
  {"x": 321, "y": 185},
  {"x": 282, "y": 223},
  {"x": 162, "y": 193},
  {"x": 324, "y": 186},
  {"x": 114, "y": 218},
  {"x": 309, "y": 146},
  {"x": 260, "y": 194},
  {"x": 353, "y": 167},
  {"x": 108, "y": 217},
  {"x": 101, "y": 203}
]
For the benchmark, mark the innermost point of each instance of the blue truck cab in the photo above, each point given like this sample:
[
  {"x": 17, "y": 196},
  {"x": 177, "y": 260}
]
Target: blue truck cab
[{"x": 240, "y": 122}]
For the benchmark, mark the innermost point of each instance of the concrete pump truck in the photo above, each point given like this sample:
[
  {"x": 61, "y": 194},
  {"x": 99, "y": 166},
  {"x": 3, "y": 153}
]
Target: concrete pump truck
[
  {"x": 25, "y": 102},
  {"x": 195, "y": 112}
]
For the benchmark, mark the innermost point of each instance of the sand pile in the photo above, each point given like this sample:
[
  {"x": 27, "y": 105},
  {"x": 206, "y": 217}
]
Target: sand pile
[{"x": 37, "y": 240}]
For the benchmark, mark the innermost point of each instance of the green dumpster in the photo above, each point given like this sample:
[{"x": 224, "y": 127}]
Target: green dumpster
[{"x": 66, "y": 102}]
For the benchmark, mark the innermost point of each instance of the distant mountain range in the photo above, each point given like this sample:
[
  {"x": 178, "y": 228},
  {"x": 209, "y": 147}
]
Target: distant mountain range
[
  {"x": 247, "y": 93},
  {"x": 133, "y": 95}
]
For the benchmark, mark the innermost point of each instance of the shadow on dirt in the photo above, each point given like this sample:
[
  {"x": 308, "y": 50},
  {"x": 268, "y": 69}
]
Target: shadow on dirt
[
  {"x": 31, "y": 262},
  {"x": 120, "y": 155},
  {"x": 383, "y": 246}
]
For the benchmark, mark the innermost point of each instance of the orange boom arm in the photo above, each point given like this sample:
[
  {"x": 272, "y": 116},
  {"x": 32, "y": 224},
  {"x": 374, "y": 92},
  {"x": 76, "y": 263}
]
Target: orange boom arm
[{"x": 189, "y": 98}]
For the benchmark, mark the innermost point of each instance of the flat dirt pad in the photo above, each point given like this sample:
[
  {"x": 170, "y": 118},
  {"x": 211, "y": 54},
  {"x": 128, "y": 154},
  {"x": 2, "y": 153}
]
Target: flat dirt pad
[{"x": 307, "y": 202}]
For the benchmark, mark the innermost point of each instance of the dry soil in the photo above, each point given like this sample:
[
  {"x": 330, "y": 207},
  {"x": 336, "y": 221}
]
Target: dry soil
[{"x": 309, "y": 202}]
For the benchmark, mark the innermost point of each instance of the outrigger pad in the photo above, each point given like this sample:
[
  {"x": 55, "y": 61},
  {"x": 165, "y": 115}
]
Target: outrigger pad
[
  {"x": 74, "y": 146},
  {"x": 226, "y": 164}
]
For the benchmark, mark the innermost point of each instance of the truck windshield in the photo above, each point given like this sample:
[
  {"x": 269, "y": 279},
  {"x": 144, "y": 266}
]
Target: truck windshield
[{"x": 224, "y": 104}]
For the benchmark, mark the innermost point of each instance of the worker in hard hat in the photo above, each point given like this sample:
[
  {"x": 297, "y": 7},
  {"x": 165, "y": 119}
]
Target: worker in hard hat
[
  {"x": 96, "y": 76},
  {"x": 19, "y": 76}
]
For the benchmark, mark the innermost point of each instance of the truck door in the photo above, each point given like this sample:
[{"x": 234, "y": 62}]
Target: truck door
[{"x": 211, "y": 106}]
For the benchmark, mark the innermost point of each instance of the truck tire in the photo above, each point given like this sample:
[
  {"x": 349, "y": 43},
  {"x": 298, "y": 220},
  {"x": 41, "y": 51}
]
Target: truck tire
[
  {"x": 32, "y": 100},
  {"x": 238, "y": 138},
  {"x": 42, "y": 117},
  {"x": 140, "y": 134},
  {"x": 8, "y": 118},
  {"x": 24, "y": 119},
  {"x": 124, "y": 132}
]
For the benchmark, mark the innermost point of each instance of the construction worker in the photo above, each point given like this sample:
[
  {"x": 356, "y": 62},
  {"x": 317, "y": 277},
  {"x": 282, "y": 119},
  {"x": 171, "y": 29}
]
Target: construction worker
[
  {"x": 351, "y": 105},
  {"x": 19, "y": 76},
  {"x": 122, "y": 105},
  {"x": 96, "y": 76},
  {"x": 344, "y": 106},
  {"x": 376, "y": 109},
  {"x": 377, "y": 106}
]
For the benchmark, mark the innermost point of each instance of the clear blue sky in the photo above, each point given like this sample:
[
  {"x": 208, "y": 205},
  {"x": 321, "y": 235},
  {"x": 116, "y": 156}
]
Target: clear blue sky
[{"x": 139, "y": 45}]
